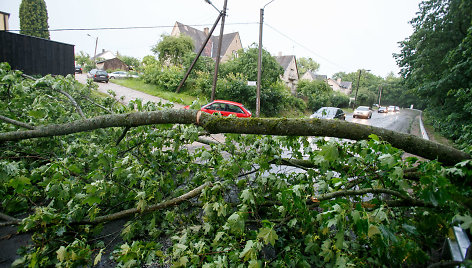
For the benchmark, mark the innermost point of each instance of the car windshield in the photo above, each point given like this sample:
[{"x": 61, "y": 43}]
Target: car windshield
[
  {"x": 363, "y": 108},
  {"x": 326, "y": 111}
]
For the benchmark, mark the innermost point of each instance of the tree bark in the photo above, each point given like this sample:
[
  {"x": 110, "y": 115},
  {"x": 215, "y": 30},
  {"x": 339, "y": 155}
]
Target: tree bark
[
  {"x": 263, "y": 126},
  {"x": 132, "y": 211},
  {"x": 14, "y": 122}
]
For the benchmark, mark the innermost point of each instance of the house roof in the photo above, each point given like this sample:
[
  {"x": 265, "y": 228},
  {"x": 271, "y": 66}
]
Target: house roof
[
  {"x": 346, "y": 84},
  {"x": 104, "y": 54},
  {"x": 317, "y": 76},
  {"x": 200, "y": 36},
  {"x": 284, "y": 61}
]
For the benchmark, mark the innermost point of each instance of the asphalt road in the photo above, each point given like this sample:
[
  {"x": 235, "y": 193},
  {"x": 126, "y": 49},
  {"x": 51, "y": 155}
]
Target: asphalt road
[
  {"x": 399, "y": 121},
  {"x": 121, "y": 91}
]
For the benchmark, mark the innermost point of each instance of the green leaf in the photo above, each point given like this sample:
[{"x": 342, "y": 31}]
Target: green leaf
[
  {"x": 38, "y": 113},
  {"x": 268, "y": 235},
  {"x": 249, "y": 252},
  {"x": 374, "y": 137},
  {"x": 387, "y": 160},
  {"x": 61, "y": 253},
  {"x": 373, "y": 230},
  {"x": 330, "y": 152},
  {"x": 466, "y": 221},
  {"x": 235, "y": 223},
  {"x": 98, "y": 258},
  {"x": 247, "y": 196},
  {"x": 182, "y": 262},
  {"x": 91, "y": 200}
]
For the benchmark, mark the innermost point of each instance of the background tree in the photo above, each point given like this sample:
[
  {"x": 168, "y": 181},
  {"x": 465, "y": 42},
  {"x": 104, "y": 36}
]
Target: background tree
[
  {"x": 34, "y": 18},
  {"x": 246, "y": 64},
  {"x": 307, "y": 64},
  {"x": 171, "y": 49},
  {"x": 132, "y": 62},
  {"x": 84, "y": 60},
  {"x": 436, "y": 61}
]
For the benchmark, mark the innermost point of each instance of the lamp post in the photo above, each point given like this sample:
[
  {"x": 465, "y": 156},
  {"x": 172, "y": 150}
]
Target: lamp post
[
  {"x": 95, "y": 52},
  {"x": 259, "y": 62},
  {"x": 357, "y": 89}
]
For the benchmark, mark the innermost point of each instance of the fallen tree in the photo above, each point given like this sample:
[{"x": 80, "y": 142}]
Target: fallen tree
[
  {"x": 269, "y": 197},
  {"x": 262, "y": 126}
]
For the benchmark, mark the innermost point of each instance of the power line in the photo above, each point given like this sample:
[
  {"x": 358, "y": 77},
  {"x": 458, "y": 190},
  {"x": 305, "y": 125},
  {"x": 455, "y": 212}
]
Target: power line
[
  {"x": 123, "y": 28},
  {"x": 309, "y": 50}
]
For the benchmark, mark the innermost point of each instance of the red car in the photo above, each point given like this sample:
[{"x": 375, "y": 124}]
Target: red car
[{"x": 225, "y": 108}]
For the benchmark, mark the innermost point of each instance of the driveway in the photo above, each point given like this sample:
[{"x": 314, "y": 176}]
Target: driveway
[{"x": 125, "y": 92}]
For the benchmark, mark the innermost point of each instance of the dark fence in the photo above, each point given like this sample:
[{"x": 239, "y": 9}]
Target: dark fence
[{"x": 34, "y": 55}]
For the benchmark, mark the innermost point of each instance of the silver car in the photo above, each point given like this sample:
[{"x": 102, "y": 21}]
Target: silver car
[
  {"x": 362, "y": 112},
  {"x": 122, "y": 74}
]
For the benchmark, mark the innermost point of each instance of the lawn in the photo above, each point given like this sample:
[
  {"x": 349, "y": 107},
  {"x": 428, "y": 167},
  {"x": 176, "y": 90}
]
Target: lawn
[{"x": 153, "y": 90}]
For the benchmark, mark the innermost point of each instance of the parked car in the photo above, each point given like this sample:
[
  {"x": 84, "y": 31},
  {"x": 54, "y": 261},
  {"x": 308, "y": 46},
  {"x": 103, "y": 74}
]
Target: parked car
[
  {"x": 329, "y": 113},
  {"x": 382, "y": 110},
  {"x": 91, "y": 73},
  {"x": 391, "y": 109},
  {"x": 78, "y": 69},
  {"x": 121, "y": 74},
  {"x": 225, "y": 108},
  {"x": 98, "y": 75},
  {"x": 397, "y": 109},
  {"x": 363, "y": 112}
]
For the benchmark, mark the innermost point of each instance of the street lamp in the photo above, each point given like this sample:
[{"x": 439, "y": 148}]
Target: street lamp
[
  {"x": 96, "y": 43},
  {"x": 259, "y": 63},
  {"x": 357, "y": 89}
]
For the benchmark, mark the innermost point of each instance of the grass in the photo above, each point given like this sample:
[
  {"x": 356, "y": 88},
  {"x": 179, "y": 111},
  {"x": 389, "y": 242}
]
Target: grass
[
  {"x": 153, "y": 90},
  {"x": 436, "y": 135}
]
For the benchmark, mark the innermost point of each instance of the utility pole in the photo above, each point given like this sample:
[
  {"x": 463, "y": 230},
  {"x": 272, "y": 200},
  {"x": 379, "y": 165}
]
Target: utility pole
[
  {"x": 220, "y": 42},
  {"x": 259, "y": 63},
  {"x": 380, "y": 94},
  {"x": 357, "y": 89}
]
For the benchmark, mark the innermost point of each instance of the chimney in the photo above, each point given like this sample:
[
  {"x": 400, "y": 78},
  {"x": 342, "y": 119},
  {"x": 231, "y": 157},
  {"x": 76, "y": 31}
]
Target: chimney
[
  {"x": 205, "y": 30},
  {"x": 103, "y": 50},
  {"x": 280, "y": 54},
  {"x": 338, "y": 81}
]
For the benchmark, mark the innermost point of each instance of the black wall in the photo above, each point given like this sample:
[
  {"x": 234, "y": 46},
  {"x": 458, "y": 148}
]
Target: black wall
[{"x": 34, "y": 55}]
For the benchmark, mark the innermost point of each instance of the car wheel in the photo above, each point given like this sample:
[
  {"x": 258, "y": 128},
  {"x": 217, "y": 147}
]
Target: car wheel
[
  {"x": 106, "y": 81},
  {"x": 353, "y": 116},
  {"x": 112, "y": 77}
]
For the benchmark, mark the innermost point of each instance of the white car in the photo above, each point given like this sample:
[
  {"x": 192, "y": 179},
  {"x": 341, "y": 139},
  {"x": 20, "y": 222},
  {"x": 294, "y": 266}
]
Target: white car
[
  {"x": 121, "y": 74},
  {"x": 363, "y": 112}
]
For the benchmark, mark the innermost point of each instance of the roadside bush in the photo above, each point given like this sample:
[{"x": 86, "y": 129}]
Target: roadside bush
[
  {"x": 234, "y": 87},
  {"x": 339, "y": 100},
  {"x": 200, "y": 85},
  {"x": 169, "y": 78}
]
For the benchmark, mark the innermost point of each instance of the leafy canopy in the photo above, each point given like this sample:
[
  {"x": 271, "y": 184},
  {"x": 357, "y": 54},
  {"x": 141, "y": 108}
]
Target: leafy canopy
[
  {"x": 435, "y": 63},
  {"x": 171, "y": 49}
]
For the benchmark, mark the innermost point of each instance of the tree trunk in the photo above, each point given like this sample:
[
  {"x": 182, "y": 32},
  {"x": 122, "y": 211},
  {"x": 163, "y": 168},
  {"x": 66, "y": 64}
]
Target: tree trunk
[{"x": 263, "y": 126}]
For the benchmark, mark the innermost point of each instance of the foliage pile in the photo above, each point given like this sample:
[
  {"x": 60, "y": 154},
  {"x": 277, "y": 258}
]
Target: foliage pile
[
  {"x": 345, "y": 204},
  {"x": 436, "y": 62}
]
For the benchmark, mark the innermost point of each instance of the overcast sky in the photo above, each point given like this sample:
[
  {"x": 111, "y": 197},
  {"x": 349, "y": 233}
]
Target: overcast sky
[{"x": 341, "y": 35}]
